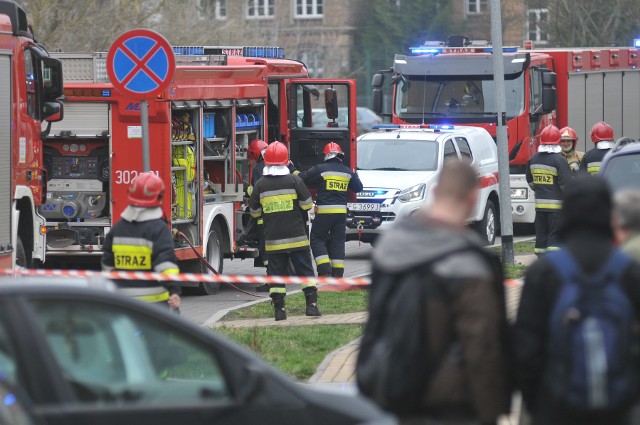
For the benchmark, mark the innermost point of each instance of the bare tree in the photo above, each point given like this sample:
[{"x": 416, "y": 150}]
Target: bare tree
[{"x": 593, "y": 22}]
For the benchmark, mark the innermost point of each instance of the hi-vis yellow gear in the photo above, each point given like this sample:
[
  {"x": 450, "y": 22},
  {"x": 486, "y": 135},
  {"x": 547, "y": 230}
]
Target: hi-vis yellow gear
[{"x": 141, "y": 246}]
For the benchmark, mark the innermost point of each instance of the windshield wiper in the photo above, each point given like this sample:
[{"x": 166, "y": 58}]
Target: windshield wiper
[{"x": 389, "y": 169}]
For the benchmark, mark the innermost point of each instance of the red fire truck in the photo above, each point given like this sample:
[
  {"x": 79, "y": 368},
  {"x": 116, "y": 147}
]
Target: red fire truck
[
  {"x": 452, "y": 83},
  {"x": 199, "y": 130},
  {"x": 30, "y": 85}
]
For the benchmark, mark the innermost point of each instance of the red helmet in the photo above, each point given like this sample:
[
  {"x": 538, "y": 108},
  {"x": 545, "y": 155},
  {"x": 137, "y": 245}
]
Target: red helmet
[
  {"x": 255, "y": 149},
  {"x": 567, "y": 133},
  {"x": 146, "y": 190},
  {"x": 550, "y": 135},
  {"x": 331, "y": 150},
  {"x": 276, "y": 154},
  {"x": 601, "y": 131}
]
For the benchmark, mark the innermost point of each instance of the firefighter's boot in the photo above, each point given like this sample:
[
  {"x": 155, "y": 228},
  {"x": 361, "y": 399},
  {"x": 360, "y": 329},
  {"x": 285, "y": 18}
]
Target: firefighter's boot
[
  {"x": 311, "y": 296},
  {"x": 278, "y": 308}
]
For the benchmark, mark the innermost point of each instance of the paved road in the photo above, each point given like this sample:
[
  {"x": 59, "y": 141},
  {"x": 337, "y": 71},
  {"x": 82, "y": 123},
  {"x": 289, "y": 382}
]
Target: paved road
[{"x": 200, "y": 308}]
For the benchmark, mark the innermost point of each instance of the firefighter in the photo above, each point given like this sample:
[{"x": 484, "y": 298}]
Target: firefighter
[
  {"x": 255, "y": 153},
  {"x": 277, "y": 198},
  {"x": 548, "y": 174},
  {"x": 602, "y": 137},
  {"x": 568, "y": 141},
  {"x": 331, "y": 179},
  {"x": 141, "y": 241}
]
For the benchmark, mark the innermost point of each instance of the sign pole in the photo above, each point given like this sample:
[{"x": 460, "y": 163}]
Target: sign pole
[
  {"x": 144, "y": 116},
  {"x": 506, "y": 220}
]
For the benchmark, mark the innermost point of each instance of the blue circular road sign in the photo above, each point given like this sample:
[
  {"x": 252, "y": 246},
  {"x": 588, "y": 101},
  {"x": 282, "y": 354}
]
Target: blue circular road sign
[{"x": 140, "y": 63}]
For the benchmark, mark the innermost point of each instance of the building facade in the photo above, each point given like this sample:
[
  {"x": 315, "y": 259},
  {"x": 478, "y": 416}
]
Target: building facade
[{"x": 318, "y": 32}]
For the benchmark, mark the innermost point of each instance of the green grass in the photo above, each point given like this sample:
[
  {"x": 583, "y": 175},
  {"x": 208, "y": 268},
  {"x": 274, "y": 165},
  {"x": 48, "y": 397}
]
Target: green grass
[
  {"x": 296, "y": 350},
  {"x": 328, "y": 303},
  {"x": 519, "y": 248},
  {"x": 514, "y": 271}
]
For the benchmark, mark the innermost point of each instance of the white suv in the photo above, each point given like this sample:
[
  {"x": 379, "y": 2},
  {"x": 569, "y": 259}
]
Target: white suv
[{"x": 399, "y": 164}]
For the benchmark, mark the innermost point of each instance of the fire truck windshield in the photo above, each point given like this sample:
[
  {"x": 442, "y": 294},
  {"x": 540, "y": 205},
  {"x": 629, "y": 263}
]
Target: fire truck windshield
[{"x": 418, "y": 97}]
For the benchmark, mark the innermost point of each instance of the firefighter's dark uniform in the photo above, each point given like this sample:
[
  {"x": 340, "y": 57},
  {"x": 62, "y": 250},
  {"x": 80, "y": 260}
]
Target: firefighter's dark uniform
[
  {"x": 592, "y": 160},
  {"x": 143, "y": 245},
  {"x": 331, "y": 179},
  {"x": 277, "y": 199},
  {"x": 548, "y": 174},
  {"x": 256, "y": 174}
]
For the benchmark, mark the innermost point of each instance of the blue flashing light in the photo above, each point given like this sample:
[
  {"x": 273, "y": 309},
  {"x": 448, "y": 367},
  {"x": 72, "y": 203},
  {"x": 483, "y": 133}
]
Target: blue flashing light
[
  {"x": 510, "y": 49},
  {"x": 385, "y": 126},
  {"x": 380, "y": 192},
  {"x": 441, "y": 126},
  {"x": 188, "y": 50},
  {"x": 424, "y": 50},
  {"x": 636, "y": 43},
  {"x": 9, "y": 399},
  {"x": 263, "y": 52}
]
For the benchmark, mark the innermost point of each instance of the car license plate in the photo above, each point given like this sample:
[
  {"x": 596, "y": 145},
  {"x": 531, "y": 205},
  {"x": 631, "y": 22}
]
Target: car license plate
[{"x": 363, "y": 206}]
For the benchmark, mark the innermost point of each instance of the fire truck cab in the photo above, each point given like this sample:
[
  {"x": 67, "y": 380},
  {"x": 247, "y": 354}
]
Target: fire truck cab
[
  {"x": 30, "y": 88},
  {"x": 452, "y": 83}
]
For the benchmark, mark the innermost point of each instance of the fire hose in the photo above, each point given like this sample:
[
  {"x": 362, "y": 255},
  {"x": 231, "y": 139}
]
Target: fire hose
[{"x": 210, "y": 267}]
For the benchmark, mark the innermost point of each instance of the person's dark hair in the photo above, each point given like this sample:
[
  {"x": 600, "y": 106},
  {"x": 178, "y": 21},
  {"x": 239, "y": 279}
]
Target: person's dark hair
[
  {"x": 457, "y": 179},
  {"x": 586, "y": 205}
]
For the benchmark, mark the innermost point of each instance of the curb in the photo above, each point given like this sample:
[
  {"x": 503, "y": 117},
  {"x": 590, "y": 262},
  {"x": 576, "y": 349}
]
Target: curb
[
  {"x": 329, "y": 358},
  {"x": 220, "y": 314}
]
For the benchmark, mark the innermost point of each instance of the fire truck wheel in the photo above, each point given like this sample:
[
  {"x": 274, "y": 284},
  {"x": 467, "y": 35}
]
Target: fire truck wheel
[
  {"x": 215, "y": 257},
  {"x": 21, "y": 256},
  {"x": 488, "y": 225}
]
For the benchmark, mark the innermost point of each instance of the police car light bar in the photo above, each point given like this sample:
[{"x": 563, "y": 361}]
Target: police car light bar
[
  {"x": 428, "y": 50},
  {"x": 436, "y": 127},
  {"x": 246, "y": 51},
  {"x": 636, "y": 43}
]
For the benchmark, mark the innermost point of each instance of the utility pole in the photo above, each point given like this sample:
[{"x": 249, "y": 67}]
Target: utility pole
[{"x": 506, "y": 220}]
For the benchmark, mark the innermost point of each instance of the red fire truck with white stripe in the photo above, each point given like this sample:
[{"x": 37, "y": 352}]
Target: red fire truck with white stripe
[
  {"x": 199, "y": 131},
  {"x": 452, "y": 83},
  {"x": 30, "y": 85}
]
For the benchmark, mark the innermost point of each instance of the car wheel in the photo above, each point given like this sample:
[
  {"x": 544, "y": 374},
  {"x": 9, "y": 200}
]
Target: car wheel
[
  {"x": 215, "y": 257},
  {"x": 21, "y": 256},
  {"x": 488, "y": 225}
]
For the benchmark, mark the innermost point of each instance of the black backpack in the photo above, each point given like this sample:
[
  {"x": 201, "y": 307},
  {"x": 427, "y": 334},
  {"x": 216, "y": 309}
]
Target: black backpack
[
  {"x": 592, "y": 349},
  {"x": 393, "y": 367}
]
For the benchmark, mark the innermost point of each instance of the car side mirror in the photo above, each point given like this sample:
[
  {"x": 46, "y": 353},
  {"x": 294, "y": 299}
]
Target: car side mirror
[
  {"x": 549, "y": 99},
  {"x": 331, "y": 103},
  {"x": 253, "y": 384},
  {"x": 52, "y": 111}
]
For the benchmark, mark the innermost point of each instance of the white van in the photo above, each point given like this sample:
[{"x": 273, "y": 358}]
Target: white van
[{"x": 399, "y": 165}]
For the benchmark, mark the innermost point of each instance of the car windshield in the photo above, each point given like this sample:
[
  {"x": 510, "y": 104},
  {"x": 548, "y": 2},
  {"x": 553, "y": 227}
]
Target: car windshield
[
  {"x": 623, "y": 172},
  {"x": 397, "y": 155},
  {"x": 471, "y": 96}
]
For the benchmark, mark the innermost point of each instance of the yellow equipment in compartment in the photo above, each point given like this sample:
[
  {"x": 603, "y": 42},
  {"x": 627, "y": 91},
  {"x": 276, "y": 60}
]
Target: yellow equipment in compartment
[{"x": 183, "y": 182}]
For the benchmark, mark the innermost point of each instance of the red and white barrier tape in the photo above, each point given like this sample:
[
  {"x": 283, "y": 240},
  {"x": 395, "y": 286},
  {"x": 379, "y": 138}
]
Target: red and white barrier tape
[{"x": 190, "y": 277}]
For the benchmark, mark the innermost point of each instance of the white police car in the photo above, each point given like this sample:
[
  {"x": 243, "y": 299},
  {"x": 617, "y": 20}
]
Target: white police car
[{"x": 399, "y": 165}]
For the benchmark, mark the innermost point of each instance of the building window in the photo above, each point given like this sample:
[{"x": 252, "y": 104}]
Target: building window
[
  {"x": 216, "y": 9},
  {"x": 477, "y": 6},
  {"x": 309, "y": 8},
  {"x": 260, "y": 8},
  {"x": 536, "y": 24}
]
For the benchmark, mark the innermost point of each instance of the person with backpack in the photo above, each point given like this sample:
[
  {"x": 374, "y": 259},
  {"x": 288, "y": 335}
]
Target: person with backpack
[
  {"x": 435, "y": 344},
  {"x": 576, "y": 338}
]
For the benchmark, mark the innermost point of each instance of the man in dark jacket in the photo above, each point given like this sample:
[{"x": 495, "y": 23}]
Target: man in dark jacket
[
  {"x": 585, "y": 230},
  {"x": 463, "y": 309}
]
